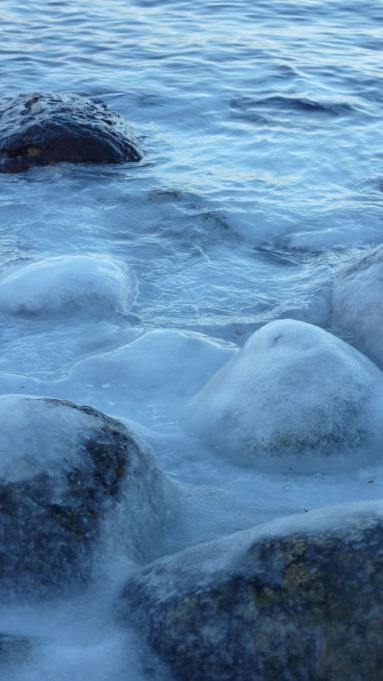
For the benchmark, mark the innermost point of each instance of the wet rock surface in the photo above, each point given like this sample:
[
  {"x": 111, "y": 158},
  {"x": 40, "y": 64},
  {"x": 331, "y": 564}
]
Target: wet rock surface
[
  {"x": 64, "y": 469},
  {"x": 44, "y": 129},
  {"x": 298, "y": 599}
]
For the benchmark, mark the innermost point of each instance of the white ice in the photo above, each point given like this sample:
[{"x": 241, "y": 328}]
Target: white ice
[
  {"x": 37, "y": 435},
  {"x": 293, "y": 398},
  {"x": 85, "y": 284},
  {"x": 358, "y": 301}
]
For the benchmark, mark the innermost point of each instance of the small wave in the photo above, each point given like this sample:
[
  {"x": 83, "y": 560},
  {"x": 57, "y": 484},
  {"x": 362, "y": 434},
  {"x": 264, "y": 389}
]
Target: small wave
[{"x": 249, "y": 105}]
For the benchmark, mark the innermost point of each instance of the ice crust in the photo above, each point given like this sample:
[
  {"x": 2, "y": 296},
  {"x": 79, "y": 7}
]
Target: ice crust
[
  {"x": 293, "y": 397},
  {"x": 38, "y": 436},
  {"x": 82, "y": 284},
  {"x": 358, "y": 301}
]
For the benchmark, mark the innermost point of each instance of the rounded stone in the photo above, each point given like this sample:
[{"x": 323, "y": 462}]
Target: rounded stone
[
  {"x": 293, "y": 398},
  {"x": 299, "y": 598},
  {"x": 44, "y": 129},
  {"x": 68, "y": 475}
]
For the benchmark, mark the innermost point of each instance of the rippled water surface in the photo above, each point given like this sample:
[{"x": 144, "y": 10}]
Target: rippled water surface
[{"x": 261, "y": 124}]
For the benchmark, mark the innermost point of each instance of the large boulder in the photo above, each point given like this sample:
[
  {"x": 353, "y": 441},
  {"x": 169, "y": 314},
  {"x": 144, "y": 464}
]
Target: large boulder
[
  {"x": 42, "y": 129},
  {"x": 68, "y": 476},
  {"x": 292, "y": 393},
  {"x": 357, "y": 304},
  {"x": 298, "y": 599}
]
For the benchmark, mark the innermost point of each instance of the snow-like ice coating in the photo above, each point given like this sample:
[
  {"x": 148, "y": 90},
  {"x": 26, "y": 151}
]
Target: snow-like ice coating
[
  {"x": 86, "y": 284},
  {"x": 37, "y": 435},
  {"x": 203, "y": 562},
  {"x": 294, "y": 390},
  {"x": 257, "y": 185},
  {"x": 358, "y": 301}
]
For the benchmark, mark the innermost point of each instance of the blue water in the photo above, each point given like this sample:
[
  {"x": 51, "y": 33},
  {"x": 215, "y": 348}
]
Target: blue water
[{"x": 261, "y": 124}]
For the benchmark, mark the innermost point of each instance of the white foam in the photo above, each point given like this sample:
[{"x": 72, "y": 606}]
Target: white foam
[
  {"x": 72, "y": 284},
  {"x": 292, "y": 393}
]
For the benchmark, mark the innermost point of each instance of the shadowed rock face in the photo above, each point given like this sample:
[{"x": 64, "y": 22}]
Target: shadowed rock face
[
  {"x": 38, "y": 130},
  {"x": 64, "y": 470},
  {"x": 299, "y": 599}
]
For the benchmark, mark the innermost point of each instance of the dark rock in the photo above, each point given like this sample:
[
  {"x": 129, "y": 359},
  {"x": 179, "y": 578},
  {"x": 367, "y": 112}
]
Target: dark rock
[
  {"x": 64, "y": 470},
  {"x": 298, "y": 599},
  {"x": 37, "y": 130}
]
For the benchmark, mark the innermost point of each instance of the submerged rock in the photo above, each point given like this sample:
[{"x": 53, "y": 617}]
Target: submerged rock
[
  {"x": 292, "y": 392},
  {"x": 64, "y": 471},
  {"x": 358, "y": 301},
  {"x": 298, "y": 599},
  {"x": 42, "y": 129}
]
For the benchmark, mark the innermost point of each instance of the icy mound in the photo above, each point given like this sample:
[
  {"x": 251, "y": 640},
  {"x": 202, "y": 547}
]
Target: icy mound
[
  {"x": 358, "y": 301},
  {"x": 68, "y": 474},
  {"x": 292, "y": 389},
  {"x": 74, "y": 283}
]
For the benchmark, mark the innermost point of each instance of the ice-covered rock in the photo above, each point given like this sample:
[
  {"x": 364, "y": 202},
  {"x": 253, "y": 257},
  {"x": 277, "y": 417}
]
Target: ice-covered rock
[
  {"x": 43, "y": 129},
  {"x": 65, "y": 473},
  {"x": 297, "y": 598},
  {"x": 292, "y": 392},
  {"x": 86, "y": 284},
  {"x": 358, "y": 301}
]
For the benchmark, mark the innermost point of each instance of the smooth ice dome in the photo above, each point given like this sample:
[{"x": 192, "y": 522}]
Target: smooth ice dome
[
  {"x": 89, "y": 284},
  {"x": 358, "y": 301},
  {"x": 292, "y": 389}
]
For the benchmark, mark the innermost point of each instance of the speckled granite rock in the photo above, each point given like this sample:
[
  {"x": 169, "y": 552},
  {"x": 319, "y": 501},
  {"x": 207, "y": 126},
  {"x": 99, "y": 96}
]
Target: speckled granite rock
[
  {"x": 64, "y": 470},
  {"x": 298, "y": 599},
  {"x": 42, "y": 129}
]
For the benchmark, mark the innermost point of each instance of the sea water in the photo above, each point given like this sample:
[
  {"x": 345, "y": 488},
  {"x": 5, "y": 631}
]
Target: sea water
[{"x": 261, "y": 124}]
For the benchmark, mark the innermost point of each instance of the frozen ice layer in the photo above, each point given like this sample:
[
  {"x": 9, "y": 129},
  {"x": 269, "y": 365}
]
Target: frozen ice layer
[
  {"x": 157, "y": 372},
  {"x": 86, "y": 284},
  {"x": 358, "y": 301},
  {"x": 293, "y": 392}
]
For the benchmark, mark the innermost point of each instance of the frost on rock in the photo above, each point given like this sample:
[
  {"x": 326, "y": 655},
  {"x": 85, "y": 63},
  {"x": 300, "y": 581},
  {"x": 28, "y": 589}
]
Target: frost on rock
[
  {"x": 292, "y": 392},
  {"x": 65, "y": 471},
  {"x": 358, "y": 301},
  {"x": 83, "y": 284},
  {"x": 298, "y": 598}
]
